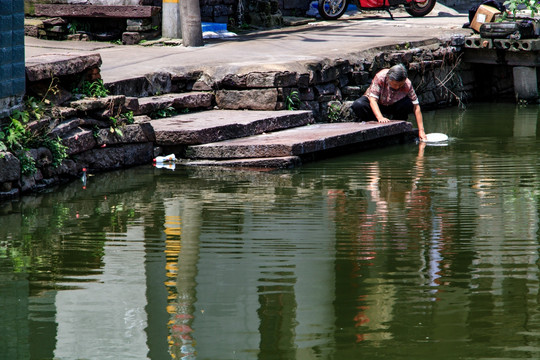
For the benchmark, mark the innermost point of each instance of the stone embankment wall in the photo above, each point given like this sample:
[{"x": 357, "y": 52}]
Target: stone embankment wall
[
  {"x": 328, "y": 87},
  {"x": 99, "y": 138}
]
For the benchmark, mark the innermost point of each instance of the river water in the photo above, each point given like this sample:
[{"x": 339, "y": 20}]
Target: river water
[{"x": 407, "y": 252}]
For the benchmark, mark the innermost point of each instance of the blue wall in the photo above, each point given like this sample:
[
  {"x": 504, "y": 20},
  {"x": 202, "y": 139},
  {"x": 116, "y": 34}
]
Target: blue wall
[{"x": 12, "y": 68}]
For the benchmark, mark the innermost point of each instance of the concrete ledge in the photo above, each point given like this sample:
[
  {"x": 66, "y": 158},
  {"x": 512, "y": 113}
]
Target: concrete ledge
[
  {"x": 474, "y": 42},
  {"x": 102, "y": 11},
  {"x": 517, "y": 45}
]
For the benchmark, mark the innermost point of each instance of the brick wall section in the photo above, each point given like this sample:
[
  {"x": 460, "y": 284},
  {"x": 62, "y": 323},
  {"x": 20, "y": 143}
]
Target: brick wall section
[{"x": 12, "y": 67}]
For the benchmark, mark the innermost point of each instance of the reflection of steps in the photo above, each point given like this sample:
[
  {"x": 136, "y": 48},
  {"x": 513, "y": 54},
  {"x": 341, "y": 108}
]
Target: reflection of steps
[{"x": 269, "y": 139}]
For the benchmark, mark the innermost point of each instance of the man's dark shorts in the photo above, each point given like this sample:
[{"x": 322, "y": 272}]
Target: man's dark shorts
[{"x": 399, "y": 110}]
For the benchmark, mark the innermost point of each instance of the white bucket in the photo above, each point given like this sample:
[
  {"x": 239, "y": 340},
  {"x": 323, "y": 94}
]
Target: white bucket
[{"x": 436, "y": 138}]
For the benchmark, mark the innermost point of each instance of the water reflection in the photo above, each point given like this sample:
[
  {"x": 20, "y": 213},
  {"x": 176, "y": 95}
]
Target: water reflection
[{"x": 402, "y": 252}]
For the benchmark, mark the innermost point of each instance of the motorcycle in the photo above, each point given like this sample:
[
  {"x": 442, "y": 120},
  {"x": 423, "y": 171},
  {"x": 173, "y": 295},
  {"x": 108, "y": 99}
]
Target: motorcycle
[{"x": 333, "y": 9}]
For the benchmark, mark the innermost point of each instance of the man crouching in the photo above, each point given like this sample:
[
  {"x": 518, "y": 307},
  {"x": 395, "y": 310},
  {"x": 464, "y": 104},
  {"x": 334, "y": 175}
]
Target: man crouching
[{"x": 390, "y": 95}]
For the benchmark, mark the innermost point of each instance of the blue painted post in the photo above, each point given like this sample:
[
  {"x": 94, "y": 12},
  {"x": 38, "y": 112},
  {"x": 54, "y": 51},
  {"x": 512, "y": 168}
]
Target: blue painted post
[{"x": 12, "y": 66}]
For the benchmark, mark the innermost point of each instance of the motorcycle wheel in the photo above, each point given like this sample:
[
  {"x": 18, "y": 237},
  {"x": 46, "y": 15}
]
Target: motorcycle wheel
[
  {"x": 332, "y": 9},
  {"x": 419, "y": 9}
]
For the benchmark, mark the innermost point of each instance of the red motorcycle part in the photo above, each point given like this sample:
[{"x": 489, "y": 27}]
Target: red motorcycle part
[{"x": 420, "y": 8}]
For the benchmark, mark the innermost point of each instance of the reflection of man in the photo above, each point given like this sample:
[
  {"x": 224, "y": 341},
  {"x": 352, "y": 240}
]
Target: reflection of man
[{"x": 390, "y": 94}]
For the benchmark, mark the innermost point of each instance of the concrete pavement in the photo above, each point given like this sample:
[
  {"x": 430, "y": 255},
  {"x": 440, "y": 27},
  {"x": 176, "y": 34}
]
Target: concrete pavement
[{"x": 289, "y": 48}]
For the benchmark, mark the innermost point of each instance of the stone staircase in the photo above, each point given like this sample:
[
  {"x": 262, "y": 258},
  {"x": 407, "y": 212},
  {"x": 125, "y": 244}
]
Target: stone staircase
[
  {"x": 276, "y": 139},
  {"x": 208, "y": 137},
  {"x": 251, "y": 138}
]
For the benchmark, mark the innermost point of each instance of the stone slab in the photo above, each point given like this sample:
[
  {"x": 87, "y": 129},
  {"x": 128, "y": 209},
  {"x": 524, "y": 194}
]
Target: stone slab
[
  {"x": 108, "y": 158},
  {"x": 92, "y": 103},
  {"x": 182, "y": 100},
  {"x": 46, "y": 66},
  {"x": 254, "y": 99},
  {"x": 134, "y": 133},
  {"x": 79, "y": 140},
  {"x": 10, "y": 167},
  {"x": 218, "y": 125},
  {"x": 300, "y": 141},
  {"x": 103, "y": 11}
]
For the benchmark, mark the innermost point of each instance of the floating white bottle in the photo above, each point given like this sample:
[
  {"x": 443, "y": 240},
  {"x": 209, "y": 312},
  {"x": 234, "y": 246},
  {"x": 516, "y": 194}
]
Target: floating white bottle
[{"x": 163, "y": 159}]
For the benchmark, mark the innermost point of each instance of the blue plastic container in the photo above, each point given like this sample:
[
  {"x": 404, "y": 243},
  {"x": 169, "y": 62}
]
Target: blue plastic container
[{"x": 215, "y": 27}]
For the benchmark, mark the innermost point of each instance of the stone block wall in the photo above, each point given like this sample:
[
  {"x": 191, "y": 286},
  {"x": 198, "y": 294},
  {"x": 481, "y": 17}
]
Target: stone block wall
[
  {"x": 218, "y": 11},
  {"x": 294, "y": 7},
  {"x": 261, "y": 13},
  {"x": 224, "y": 11},
  {"x": 12, "y": 67},
  {"x": 328, "y": 88},
  {"x": 437, "y": 71}
]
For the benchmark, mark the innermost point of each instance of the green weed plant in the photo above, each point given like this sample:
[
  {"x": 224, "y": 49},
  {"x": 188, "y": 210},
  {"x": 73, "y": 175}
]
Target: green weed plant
[
  {"x": 292, "y": 101},
  {"x": 164, "y": 113},
  {"x": 334, "y": 112},
  {"x": 94, "y": 88},
  {"x": 515, "y": 5},
  {"x": 16, "y": 138}
]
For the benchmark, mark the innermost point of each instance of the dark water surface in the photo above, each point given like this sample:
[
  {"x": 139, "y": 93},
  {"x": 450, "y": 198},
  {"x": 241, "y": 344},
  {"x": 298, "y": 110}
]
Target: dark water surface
[{"x": 407, "y": 252}]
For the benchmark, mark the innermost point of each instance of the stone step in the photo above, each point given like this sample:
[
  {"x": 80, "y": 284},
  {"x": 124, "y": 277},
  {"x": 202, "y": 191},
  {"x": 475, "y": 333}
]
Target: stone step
[
  {"x": 304, "y": 140},
  {"x": 218, "y": 125},
  {"x": 191, "y": 100},
  {"x": 48, "y": 66}
]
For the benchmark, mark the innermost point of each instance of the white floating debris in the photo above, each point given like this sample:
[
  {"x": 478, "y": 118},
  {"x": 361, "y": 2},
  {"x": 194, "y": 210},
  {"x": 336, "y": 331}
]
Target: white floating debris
[
  {"x": 169, "y": 166},
  {"x": 163, "y": 159}
]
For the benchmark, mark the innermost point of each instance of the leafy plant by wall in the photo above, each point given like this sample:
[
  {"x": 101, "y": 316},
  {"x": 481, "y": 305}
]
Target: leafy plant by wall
[
  {"x": 515, "y": 5},
  {"x": 16, "y": 137}
]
